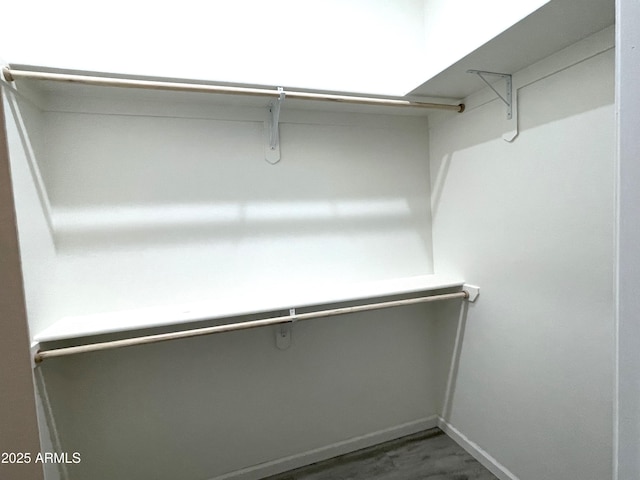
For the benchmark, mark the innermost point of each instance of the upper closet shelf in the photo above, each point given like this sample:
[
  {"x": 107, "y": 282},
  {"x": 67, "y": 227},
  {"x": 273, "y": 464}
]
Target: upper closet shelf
[
  {"x": 254, "y": 303},
  {"x": 549, "y": 29}
]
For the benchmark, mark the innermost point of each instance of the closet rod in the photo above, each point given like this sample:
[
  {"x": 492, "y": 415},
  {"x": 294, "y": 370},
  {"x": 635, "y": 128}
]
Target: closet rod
[
  {"x": 11, "y": 75},
  {"x": 163, "y": 337}
]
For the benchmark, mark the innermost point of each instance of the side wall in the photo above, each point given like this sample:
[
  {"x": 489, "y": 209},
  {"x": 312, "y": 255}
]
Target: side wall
[
  {"x": 532, "y": 223},
  {"x": 18, "y": 427},
  {"x": 38, "y": 255}
]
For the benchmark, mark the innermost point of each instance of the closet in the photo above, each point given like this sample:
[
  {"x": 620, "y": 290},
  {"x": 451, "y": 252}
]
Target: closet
[{"x": 146, "y": 212}]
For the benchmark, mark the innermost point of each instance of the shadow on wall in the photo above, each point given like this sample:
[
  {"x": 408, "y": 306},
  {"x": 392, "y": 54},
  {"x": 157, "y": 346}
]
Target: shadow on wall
[
  {"x": 25, "y": 124},
  {"x": 541, "y": 102},
  {"x": 183, "y": 181},
  {"x": 438, "y": 183},
  {"x": 97, "y": 228},
  {"x": 448, "y": 343}
]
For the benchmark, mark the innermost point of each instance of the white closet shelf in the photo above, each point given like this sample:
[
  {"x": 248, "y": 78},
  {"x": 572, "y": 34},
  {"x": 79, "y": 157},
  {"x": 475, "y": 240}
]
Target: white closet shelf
[
  {"x": 549, "y": 29},
  {"x": 238, "y": 305}
]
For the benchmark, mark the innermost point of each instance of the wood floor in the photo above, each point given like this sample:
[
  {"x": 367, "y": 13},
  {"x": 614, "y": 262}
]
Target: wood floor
[{"x": 428, "y": 455}]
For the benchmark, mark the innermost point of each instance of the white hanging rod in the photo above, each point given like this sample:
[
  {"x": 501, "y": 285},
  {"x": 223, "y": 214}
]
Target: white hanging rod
[
  {"x": 11, "y": 75},
  {"x": 292, "y": 317}
]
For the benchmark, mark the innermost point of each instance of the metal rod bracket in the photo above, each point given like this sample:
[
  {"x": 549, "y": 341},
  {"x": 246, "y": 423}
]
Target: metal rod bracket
[
  {"x": 472, "y": 292},
  {"x": 272, "y": 129},
  {"x": 283, "y": 331}
]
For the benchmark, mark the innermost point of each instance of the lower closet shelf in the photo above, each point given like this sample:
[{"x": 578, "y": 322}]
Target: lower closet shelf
[{"x": 233, "y": 306}]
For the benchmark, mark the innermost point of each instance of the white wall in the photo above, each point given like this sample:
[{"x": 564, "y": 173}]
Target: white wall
[
  {"x": 162, "y": 209},
  {"x": 38, "y": 256},
  {"x": 204, "y": 407},
  {"x": 169, "y": 199},
  {"x": 532, "y": 222}
]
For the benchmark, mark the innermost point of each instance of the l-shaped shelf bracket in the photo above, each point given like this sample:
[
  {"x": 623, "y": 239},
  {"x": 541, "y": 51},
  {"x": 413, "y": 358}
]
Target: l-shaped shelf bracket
[
  {"x": 509, "y": 88},
  {"x": 272, "y": 130},
  {"x": 510, "y": 99}
]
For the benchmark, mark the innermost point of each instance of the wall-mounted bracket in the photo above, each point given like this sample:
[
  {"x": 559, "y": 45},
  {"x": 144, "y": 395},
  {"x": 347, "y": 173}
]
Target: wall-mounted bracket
[
  {"x": 472, "y": 292},
  {"x": 510, "y": 99},
  {"x": 272, "y": 129},
  {"x": 283, "y": 331},
  {"x": 507, "y": 98},
  {"x": 35, "y": 348}
]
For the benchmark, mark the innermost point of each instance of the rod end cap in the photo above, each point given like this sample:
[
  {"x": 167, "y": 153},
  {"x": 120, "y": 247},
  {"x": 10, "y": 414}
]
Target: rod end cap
[{"x": 6, "y": 74}]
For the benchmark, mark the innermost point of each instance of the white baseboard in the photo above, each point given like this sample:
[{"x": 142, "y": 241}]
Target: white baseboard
[
  {"x": 324, "y": 453},
  {"x": 475, "y": 451},
  {"x": 280, "y": 465}
]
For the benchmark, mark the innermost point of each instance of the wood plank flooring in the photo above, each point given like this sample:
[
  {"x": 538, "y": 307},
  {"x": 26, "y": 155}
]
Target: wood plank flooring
[{"x": 428, "y": 455}]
